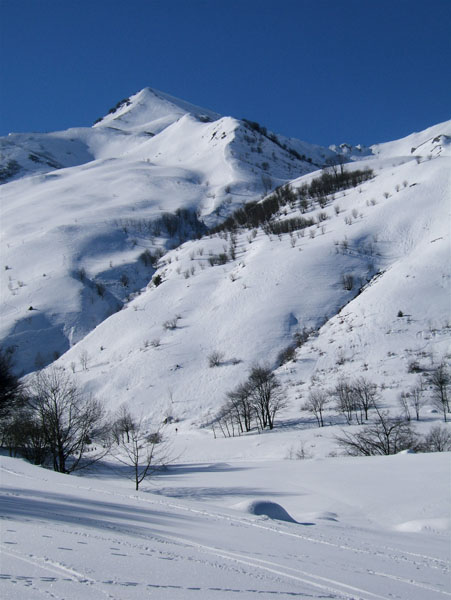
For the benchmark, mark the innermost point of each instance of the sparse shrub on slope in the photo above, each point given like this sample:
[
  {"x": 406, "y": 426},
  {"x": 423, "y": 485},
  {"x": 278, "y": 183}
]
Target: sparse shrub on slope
[
  {"x": 215, "y": 358},
  {"x": 329, "y": 183}
]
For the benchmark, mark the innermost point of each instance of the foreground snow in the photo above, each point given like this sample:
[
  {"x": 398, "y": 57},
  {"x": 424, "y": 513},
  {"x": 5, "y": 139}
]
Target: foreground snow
[{"x": 363, "y": 528}]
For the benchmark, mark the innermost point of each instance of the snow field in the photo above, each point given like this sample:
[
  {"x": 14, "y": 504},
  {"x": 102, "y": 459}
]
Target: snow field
[{"x": 194, "y": 532}]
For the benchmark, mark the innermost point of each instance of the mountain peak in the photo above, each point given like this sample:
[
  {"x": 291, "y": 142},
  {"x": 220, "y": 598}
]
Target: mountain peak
[{"x": 152, "y": 111}]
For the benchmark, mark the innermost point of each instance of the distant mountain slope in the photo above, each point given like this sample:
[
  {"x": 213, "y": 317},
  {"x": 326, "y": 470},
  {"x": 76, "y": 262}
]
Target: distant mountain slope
[
  {"x": 432, "y": 142},
  {"x": 86, "y": 234}
]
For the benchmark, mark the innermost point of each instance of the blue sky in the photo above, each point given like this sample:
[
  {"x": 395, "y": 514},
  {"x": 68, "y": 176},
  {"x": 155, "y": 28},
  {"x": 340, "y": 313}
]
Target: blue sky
[{"x": 325, "y": 71}]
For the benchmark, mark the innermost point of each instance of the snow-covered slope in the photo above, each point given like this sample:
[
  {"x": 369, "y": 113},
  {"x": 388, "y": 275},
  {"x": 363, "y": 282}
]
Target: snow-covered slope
[
  {"x": 153, "y": 111},
  {"x": 432, "y": 142},
  {"x": 83, "y": 205},
  {"x": 393, "y": 244}
]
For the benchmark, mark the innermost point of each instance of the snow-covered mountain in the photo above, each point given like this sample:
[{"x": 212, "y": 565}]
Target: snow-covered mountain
[
  {"x": 157, "y": 257},
  {"x": 133, "y": 201},
  {"x": 81, "y": 206}
]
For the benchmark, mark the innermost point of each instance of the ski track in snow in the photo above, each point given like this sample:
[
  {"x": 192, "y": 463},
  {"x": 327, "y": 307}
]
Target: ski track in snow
[
  {"x": 339, "y": 589},
  {"x": 78, "y": 562}
]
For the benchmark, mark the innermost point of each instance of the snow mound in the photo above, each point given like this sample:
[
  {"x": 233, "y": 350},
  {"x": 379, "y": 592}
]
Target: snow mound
[
  {"x": 424, "y": 525},
  {"x": 321, "y": 516},
  {"x": 273, "y": 510}
]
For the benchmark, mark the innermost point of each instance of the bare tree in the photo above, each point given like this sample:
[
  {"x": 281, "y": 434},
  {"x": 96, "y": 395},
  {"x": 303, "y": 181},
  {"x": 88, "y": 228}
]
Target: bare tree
[
  {"x": 24, "y": 436},
  {"x": 266, "y": 395},
  {"x": 404, "y": 402},
  {"x": 346, "y": 402},
  {"x": 440, "y": 381},
  {"x": 69, "y": 420},
  {"x": 365, "y": 393},
  {"x": 84, "y": 360},
  {"x": 12, "y": 399},
  {"x": 266, "y": 182},
  {"x": 347, "y": 280},
  {"x": 124, "y": 424},
  {"x": 416, "y": 398},
  {"x": 385, "y": 436},
  {"x": 437, "y": 440},
  {"x": 240, "y": 401},
  {"x": 136, "y": 447},
  {"x": 215, "y": 358},
  {"x": 11, "y": 390},
  {"x": 226, "y": 420},
  {"x": 315, "y": 404},
  {"x": 356, "y": 398}
]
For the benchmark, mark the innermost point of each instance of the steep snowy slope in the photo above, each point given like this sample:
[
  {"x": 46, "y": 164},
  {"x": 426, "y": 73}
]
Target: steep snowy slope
[
  {"x": 73, "y": 237},
  {"x": 372, "y": 251},
  {"x": 146, "y": 113}
]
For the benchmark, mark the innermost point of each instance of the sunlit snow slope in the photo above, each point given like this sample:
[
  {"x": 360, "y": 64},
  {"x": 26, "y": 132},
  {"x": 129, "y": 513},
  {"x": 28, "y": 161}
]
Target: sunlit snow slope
[
  {"x": 391, "y": 235},
  {"x": 80, "y": 206}
]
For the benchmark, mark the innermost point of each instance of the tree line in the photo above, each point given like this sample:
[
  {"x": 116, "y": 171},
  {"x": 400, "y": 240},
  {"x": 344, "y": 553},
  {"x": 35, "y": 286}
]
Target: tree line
[{"x": 255, "y": 214}]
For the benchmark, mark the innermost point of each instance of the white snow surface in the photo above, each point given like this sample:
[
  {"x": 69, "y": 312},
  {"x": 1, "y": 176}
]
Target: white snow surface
[{"x": 361, "y": 529}]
